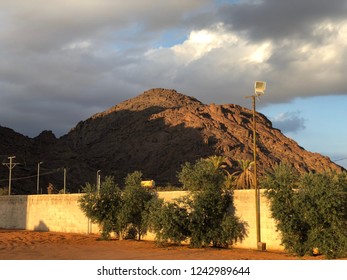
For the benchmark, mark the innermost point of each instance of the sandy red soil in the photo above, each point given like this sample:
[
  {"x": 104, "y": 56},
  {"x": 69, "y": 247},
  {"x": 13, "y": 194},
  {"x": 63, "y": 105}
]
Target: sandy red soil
[{"x": 29, "y": 245}]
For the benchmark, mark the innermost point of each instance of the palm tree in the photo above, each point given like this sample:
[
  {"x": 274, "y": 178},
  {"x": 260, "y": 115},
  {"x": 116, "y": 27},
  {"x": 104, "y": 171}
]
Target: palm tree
[
  {"x": 219, "y": 162},
  {"x": 229, "y": 180},
  {"x": 244, "y": 177}
]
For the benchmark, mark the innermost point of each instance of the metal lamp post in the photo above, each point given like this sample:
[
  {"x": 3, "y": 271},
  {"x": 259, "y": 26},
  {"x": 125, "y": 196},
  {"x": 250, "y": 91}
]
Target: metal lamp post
[
  {"x": 259, "y": 89},
  {"x": 64, "y": 180},
  {"x": 98, "y": 181},
  {"x": 38, "y": 178}
]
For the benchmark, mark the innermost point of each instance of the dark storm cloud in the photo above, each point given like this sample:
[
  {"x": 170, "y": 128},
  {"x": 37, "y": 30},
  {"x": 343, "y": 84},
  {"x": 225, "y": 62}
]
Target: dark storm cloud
[
  {"x": 279, "y": 19},
  {"x": 45, "y": 25},
  {"x": 62, "y": 61}
]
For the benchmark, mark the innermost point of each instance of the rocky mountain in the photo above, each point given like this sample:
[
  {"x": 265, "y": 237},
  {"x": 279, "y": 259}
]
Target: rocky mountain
[{"x": 155, "y": 132}]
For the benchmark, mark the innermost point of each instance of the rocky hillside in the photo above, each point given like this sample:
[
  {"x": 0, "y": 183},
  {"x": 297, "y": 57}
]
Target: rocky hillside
[{"x": 156, "y": 132}]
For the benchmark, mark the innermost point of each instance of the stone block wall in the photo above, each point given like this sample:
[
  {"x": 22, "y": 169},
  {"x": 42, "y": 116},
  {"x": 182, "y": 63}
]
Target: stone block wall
[{"x": 61, "y": 213}]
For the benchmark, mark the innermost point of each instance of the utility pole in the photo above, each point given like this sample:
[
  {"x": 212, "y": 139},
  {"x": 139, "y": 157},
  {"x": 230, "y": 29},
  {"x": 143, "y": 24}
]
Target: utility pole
[{"x": 10, "y": 166}]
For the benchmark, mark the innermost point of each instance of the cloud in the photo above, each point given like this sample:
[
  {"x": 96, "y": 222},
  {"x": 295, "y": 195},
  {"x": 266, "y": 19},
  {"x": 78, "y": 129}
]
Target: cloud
[
  {"x": 217, "y": 62},
  {"x": 278, "y": 20},
  {"x": 41, "y": 25},
  {"x": 289, "y": 122},
  {"x": 77, "y": 55},
  {"x": 71, "y": 59}
]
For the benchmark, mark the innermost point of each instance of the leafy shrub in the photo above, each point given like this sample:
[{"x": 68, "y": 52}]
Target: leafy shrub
[
  {"x": 281, "y": 185},
  {"x": 104, "y": 207},
  {"x": 136, "y": 204},
  {"x": 310, "y": 210},
  {"x": 210, "y": 206},
  {"x": 124, "y": 213},
  {"x": 322, "y": 198},
  {"x": 206, "y": 216},
  {"x": 169, "y": 221}
]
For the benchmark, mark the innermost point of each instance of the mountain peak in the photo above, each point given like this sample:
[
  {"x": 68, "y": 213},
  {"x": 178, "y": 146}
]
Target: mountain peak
[
  {"x": 155, "y": 132},
  {"x": 154, "y": 98},
  {"x": 160, "y": 97}
]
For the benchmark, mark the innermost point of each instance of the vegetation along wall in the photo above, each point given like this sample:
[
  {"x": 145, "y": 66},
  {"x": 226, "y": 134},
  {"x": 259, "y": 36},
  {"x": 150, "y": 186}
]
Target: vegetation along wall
[{"x": 61, "y": 213}]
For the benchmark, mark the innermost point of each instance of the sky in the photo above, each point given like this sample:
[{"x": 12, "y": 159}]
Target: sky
[{"x": 65, "y": 60}]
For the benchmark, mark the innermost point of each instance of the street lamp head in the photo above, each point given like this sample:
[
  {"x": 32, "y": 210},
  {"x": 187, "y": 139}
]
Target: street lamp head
[{"x": 259, "y": 88}]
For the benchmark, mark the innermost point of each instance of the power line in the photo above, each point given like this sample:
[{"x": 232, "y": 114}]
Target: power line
[
  {"x": 340, "y": 159},
  {"x": 33, "y": 176}
]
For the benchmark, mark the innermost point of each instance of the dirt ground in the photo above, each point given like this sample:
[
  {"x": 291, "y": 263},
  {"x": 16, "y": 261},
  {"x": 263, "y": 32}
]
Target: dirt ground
[{"x": 29, "y": 245}]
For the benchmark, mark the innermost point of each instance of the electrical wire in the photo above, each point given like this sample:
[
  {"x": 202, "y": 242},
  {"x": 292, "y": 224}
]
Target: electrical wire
[
  {"x": 33, "y": 176},
  {"x": 340, "y": 159}
]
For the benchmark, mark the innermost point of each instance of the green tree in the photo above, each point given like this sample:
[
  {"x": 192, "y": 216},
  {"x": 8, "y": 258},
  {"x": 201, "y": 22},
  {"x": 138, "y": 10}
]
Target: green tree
[
  {"x": 200, "y": 176},
  {"x": 124, "y": 213},
  {"x": 169, "y": 221},
  {"x": 136, "y": 205},
  {"x": 103, "y": 207},
  {"x": 322, "y": 199},
  {"x": 212, "y": 217},
  {"x": 310, "y": 210},
  {"x": 280, "y": 189},
  {"x": 244, "y": 177},
  {"x": 218, "y": 162},
  {"x": 229, "y": 181}
]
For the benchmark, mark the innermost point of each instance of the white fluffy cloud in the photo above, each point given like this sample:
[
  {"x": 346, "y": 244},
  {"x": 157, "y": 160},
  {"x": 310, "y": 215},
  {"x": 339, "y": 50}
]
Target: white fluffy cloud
[{"x": 226, "y": 63}]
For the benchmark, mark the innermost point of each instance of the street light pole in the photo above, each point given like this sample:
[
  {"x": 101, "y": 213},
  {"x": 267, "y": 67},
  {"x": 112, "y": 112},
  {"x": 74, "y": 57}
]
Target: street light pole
[
  {"x": 38, "y": 177},
  {"x": 64, "y": 180},
  {"x": 98, "y": 181},
  {"x": 259, "y": 89},
  {"x": 256, "y": 189}
]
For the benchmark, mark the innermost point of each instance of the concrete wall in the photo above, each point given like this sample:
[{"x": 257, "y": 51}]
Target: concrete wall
[
  {"x": 244, "y": 201},
  {"x": 13, "y": 212},
  {"x": 61, "y": 213}
]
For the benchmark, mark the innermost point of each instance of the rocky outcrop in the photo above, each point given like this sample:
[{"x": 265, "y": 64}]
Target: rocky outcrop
[{"x": 159, "y": 130}]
